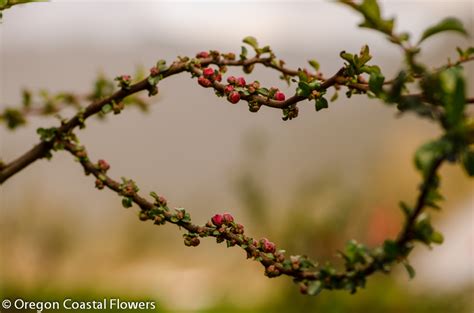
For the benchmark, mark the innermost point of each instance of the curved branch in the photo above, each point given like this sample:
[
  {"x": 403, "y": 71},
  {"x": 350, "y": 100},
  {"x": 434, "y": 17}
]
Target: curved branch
[
  {"x": 301, "y": 269},
  {"x": 43, "y": 148}
]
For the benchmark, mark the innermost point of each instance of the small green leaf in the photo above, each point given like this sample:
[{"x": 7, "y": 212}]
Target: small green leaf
[
  {"x": 5, "y": 4},
  {"x": 437, "y": 237},
  {"x": 161, "y": 65},
  {"x": 468, "y": 162},
  {"x": 127, "y": 202},
  {"x": 376, "y": 81},
  {"x": 153, "y": 80},
  {"x": 47, "y": 134},
  {"x": 334, "y": 96},
  {"x": 391, "y": 249},
  {"x": 347, "y": 56},
  {"x": 405, "y": 208},
  {"x": 243, "y": 54},
  {"x": 465, "y": 53},
  {"x": 355, "y": 252},
  {"x": 13, "y": 118},
  {"x": 265, "y": 49},
  {"x": 302, "y": 76},
  {"x": 321, "y": 103},
  {"x": 433, "y": 197},
  {"x": 364, "y": 56},
  {"x": 372, "y": 16},
  {"x": 426, "y": 155},
  {"x": 316, "y": 85},
  {"x": 154, "y": 195},
  {"x": 314, "y": 288},
  {"x": 186, "y": 218},
  {"x": 398, "y": 86},
  {"x": 106, "y": 108},
  {"x": 370, "y": 69},
  {"x": 410, "y": 270},
  {"x": 424, "y": 232},
  {"x": 453, "y": 87},
  {"x": 263, "y": 91},
  {"x": 303, "y": 89},
  {"x": 314, "y": 64},
  {"x": 26, "y": 95},
  {"x": 371, "y": 9},
  {"x": 251, "y": 41},
  {"x": 448, "y": 24}
]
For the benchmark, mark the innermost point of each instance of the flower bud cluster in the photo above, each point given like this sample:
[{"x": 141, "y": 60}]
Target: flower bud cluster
[{"x": 209, "y": 75}]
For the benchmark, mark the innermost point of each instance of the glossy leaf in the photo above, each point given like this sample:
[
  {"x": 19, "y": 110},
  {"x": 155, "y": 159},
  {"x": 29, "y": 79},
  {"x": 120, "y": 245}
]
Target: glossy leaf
[
  {"x": 448, "y": 24},
  {"x": 376, "y": 81},
  {"x": 321, "y": 103},
  {"x": 251, "y": 41},
  {"x": 453, "y": 87},
  {"x": 314, "y": 64}
]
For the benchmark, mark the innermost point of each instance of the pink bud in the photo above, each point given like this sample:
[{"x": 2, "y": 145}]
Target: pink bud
[
  {"x": 208, "y": 72},
  {"x": 126, "y": 77},
  {"x": 99, "y": 184},
  {"x": 159, "y": 220},
  {"x": 231, "y": 80},
  {"x": 154, "y": 71},
  {"x": 162, "y": 200},
  {"x": 233, "y": 97},
  {"x": 218, "y": 77},
  {"x": 217, "y": 220},
  {"x": 195, "y": 242},
  {"x": 228, "y": 218},
  {"x": 180, "y": 215},
  {"x": 255, "y": 84},
  {"x": 103, "y": 165},
  {"x": 204, "y": 82},
  {"x": 202, "y": 55},
  {"x": 128, "y": 190},
  {"x": 280, "y": 257},
  {"x": 272, "y": 271},
  {"x": 241, "y": 82},
  {"x": 267, "y": 246},
  {"x": 279, "y": 96},
  {"x": 239, "y": 229},
  {"x": 228, "y": 89}
]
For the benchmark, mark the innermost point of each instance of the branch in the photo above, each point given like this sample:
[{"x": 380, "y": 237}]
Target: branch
[
  {"x": 252, "y": 93},
  {"x": 311, "y": 278},
  {"x": 43, "y": 148}
]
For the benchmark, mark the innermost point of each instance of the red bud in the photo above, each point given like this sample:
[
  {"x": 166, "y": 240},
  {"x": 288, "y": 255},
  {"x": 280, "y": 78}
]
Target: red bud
[
  {"x": 234, "y": 97},
  {"x": 217, "y": 220},
  {"x": 279, "y": 96}
]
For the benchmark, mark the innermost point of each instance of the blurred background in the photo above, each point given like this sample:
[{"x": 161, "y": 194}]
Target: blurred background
[{"x": 309, "y": 184}]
